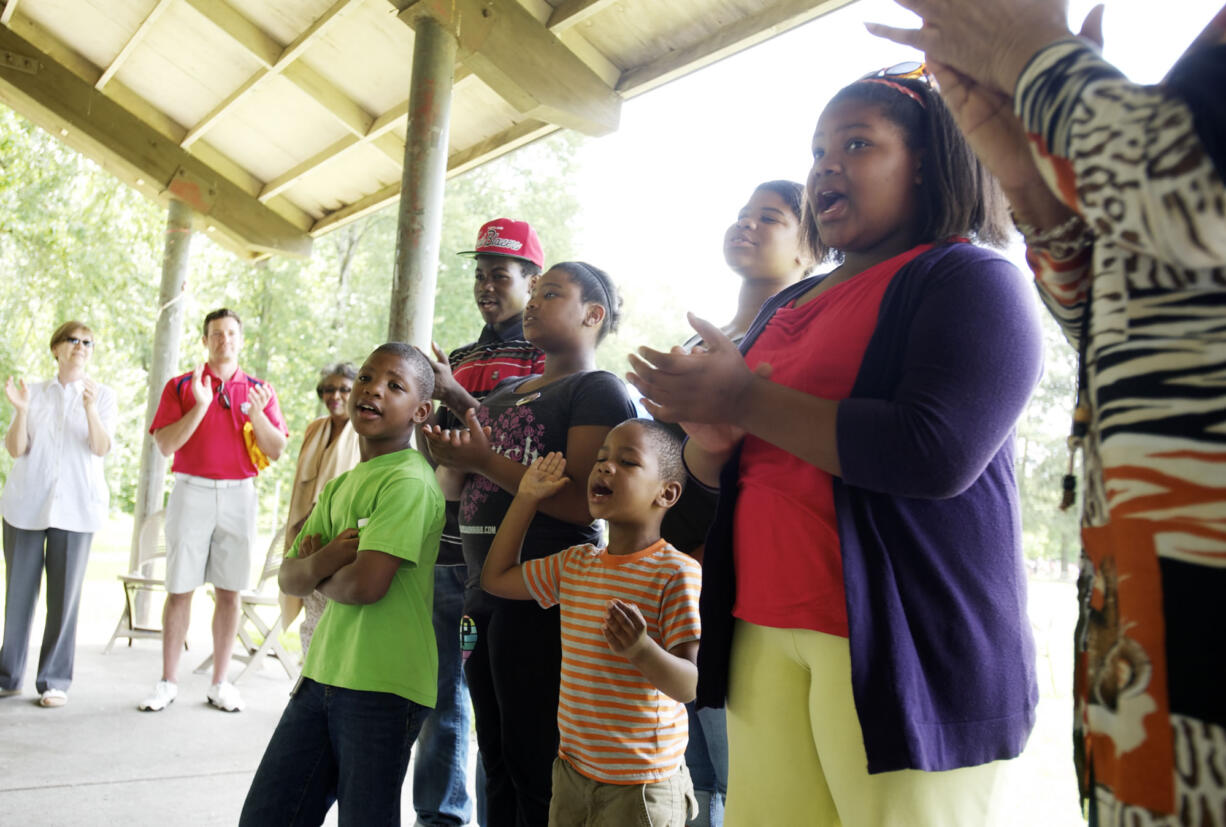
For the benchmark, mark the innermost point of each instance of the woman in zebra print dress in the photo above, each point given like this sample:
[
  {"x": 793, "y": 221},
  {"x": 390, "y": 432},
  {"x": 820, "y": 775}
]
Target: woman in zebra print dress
[{"x": 1118, "y": 189}]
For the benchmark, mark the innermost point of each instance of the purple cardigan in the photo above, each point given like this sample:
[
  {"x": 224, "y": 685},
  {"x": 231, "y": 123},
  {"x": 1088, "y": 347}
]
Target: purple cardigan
[{"x": 942, "y": 659}]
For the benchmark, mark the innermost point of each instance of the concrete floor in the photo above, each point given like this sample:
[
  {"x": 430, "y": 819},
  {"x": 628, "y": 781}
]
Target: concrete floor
[{"x": 99, "y": 761}]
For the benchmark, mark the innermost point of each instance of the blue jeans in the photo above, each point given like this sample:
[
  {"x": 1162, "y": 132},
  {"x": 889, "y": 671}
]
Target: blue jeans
[
  {"x": 335, "y": 744},
  {"x": 440, "y": 774},
  {"x": 706, "y": 755}
]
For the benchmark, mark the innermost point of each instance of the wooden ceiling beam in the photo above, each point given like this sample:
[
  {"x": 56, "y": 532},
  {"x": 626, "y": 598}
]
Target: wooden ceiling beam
[
  {"x": 133, "y": 41},
  {"x": 276, "y": 60},
  {"x": 459, "y": 162},
  {"x": 385, "y": 123},
  {"x": 86, "y": 119},
  {"x": 514, "y": 54},
  {"x": 10, "y": 8},
  {"x": 774, "y": 20},
  {"x": 570, "y": 13}
]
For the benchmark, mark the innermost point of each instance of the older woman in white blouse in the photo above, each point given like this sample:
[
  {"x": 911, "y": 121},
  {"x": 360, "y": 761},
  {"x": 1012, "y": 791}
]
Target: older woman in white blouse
[{"x": 54, "y": 500}]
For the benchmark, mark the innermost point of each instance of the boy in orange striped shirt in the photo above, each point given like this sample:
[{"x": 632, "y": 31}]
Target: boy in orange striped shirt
[{"x": 629, "y": 632}]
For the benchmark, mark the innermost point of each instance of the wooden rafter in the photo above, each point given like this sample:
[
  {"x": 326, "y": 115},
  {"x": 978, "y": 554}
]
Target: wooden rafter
[
  {"x": 276, "y": 60},
  {"x": 507, "y": 141},
  {"x": 133, "y": 42},
  {"x": 10, "y": 8},
  {"x": 65, "y": 104},
  {"x": 573, "y": 12},
  {"x": 748, "y": 31},
  {"x": 382, "y": 126},
  {"x": 524, "y": 63}
]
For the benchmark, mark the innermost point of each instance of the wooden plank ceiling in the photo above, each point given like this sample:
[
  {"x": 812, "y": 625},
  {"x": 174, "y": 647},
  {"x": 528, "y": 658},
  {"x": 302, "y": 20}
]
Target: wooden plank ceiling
[{"x": 278, "y": 120}]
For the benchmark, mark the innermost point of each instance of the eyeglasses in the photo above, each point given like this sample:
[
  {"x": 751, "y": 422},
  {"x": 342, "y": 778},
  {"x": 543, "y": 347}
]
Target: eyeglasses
[
  {"x": 223, "y": 398},
  {"x": 85, "y": 343},
  {"x": 328, "y": 390}
]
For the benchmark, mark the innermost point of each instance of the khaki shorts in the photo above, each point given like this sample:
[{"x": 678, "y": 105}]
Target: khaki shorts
[
  {"x": 210, "y": 529},
  {"x": 579, "y": 800}
]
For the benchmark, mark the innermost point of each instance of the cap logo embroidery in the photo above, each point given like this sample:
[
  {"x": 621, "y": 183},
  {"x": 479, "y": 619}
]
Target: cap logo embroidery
[{"x": 491, "y": 239}]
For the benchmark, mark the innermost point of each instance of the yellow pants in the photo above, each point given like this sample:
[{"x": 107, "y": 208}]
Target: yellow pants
[{"x": 796, "y": 752}]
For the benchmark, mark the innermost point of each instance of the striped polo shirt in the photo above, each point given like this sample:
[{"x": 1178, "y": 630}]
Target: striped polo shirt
[{"x": 615, "y": 727}]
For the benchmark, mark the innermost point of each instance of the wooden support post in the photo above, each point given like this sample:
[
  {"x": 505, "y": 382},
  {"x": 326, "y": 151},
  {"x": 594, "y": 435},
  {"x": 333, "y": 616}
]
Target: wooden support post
[
  {"x": 166, "y": 337},
  {"x": 421, "y": 195}
]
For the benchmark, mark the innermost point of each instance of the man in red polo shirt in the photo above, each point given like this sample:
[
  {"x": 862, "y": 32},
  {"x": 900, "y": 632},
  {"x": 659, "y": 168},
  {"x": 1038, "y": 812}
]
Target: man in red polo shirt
[{"x": 218, "y": 422}]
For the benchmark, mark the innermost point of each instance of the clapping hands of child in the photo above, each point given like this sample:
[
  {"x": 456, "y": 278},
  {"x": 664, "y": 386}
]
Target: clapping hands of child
[
  {"x": 461, "y": 448},
  {"x": 624, "y": 628},
  {"x": 544, "y": 477}
]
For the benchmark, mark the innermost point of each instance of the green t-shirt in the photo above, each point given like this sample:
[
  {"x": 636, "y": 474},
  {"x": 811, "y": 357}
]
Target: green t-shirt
[{"x": 386, "y": 646}]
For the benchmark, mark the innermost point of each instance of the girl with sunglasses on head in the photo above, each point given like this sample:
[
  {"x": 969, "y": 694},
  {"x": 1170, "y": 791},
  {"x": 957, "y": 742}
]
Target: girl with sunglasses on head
[
  {"x": 54, "y": 499},
  {"x": 329, "y": 448},
  {"x": 514, "y": 669},
  {"x": 864, "y": 598}
]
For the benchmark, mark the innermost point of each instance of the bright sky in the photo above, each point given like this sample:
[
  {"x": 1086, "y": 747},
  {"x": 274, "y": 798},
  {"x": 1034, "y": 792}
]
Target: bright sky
[{"x": 659, "y": 193}]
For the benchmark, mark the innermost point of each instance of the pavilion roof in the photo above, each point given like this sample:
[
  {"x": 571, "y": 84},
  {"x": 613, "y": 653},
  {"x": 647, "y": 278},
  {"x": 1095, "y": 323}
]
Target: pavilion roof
[{"x": 277, "y": 120}]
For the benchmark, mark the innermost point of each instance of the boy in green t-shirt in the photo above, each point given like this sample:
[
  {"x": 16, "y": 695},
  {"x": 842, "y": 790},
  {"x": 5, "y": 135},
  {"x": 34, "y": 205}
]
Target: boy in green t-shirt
[{"x": 370, "y": 675}]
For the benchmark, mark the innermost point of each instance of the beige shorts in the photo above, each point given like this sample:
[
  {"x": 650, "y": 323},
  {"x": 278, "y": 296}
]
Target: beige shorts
[
  {"x": 578, "y": 799},
  {"x": 210, "y": 529}
]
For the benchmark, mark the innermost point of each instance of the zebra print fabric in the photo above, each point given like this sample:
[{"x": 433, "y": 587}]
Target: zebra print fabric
[{"x": 1150, "y": 687}]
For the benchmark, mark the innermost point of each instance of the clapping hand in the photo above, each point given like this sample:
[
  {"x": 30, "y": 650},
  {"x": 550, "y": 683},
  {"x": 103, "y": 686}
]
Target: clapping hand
[
  {"x": 89, "y": 395},
  {"x": 624, "y": 628},
  {"x": 444, "y": 380},
  {"x": 17, "y": 393},
  {"x": 545, "y": 477},
  {"x": 461, "y": 448},
  {"x": 202, "y": 386},
  {"x": 258, "y": 397}
]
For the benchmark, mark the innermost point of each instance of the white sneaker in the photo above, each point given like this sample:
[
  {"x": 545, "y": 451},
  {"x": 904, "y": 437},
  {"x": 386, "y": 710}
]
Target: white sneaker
[
  {"x": 225, "y": 697},
  {"x": 163, "y": 696}
]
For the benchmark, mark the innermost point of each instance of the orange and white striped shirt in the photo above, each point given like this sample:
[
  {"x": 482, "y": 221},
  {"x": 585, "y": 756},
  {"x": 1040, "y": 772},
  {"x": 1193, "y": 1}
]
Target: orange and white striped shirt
[{"x": 615, "y": 726}]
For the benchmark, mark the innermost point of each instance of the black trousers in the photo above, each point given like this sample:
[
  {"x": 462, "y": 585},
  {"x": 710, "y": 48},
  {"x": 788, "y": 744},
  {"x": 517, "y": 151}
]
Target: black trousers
[{"x": 513, "y": 674}]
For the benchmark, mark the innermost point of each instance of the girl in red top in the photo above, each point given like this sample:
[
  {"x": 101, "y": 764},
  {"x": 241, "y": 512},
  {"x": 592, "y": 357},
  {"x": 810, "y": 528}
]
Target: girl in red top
[{"x": 866, "y": 548}]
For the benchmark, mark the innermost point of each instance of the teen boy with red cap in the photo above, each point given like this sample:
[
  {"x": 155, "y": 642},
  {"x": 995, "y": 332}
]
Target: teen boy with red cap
[{"x": 508, "y": 258}]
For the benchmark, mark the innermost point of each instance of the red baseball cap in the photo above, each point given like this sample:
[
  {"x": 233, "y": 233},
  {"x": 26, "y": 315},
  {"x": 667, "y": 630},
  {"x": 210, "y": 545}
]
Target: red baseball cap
[{"x": 505, "y": 237}]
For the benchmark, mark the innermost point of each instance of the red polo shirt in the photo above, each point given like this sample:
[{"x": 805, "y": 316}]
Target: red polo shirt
[{"x": 216, "y": 450}]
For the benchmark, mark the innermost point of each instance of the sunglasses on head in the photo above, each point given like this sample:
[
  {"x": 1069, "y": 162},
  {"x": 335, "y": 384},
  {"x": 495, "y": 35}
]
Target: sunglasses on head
[
  {"x": 907, "y": 70},
  {"x": 74, "y": 341}
]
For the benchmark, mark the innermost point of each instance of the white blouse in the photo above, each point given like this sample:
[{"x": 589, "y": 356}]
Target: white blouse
[{"x": 58, "y": 482}]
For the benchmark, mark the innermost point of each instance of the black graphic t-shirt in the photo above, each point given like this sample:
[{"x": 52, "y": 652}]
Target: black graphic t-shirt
[{"x": 526, "y": 426}]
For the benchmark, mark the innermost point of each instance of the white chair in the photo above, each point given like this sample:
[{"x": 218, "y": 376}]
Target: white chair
[
  {"x": 256, "y": 607},
  {"x": 148, "y": 576}
]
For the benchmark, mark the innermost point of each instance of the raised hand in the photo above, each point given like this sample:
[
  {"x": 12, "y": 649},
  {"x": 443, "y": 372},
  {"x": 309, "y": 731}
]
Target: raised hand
[
  {"x": 706, "y": 385},
  {"x": 444, "y": 380},
  {"x": 545, "y": 477},
  {"x": 17, "y": 392},
  {"x": 202, "y": 386},
  {"x": 258, "y": 397},
  {"x": 624, "y": 628},
  {"x": 89, "y": 394},
  {"x": 987, "y": 40},
  {"x": 462, "y": 448}
]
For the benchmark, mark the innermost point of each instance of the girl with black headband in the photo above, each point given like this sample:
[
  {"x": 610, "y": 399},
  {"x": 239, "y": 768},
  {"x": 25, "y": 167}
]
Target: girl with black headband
[
  {"x": 864, "y": 598},
  {"x": 513, "y": 671}
]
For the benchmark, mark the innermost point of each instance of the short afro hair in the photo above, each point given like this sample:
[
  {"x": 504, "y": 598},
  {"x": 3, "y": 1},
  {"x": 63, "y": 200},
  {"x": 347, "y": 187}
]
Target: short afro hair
[
  {"x": 666, "y": 445},
  {"x": 419, "y": 370}
]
